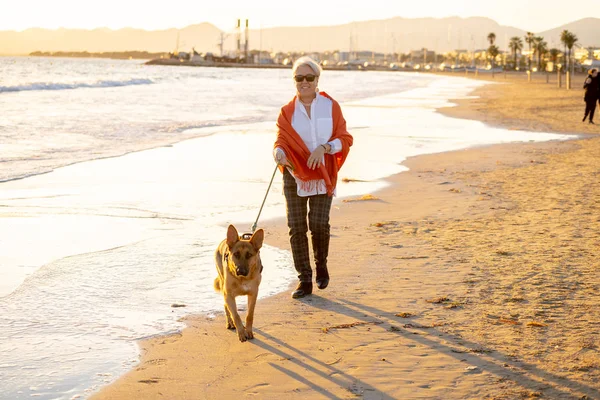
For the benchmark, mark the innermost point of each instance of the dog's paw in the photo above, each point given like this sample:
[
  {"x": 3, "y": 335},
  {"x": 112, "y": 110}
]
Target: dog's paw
[
  {"x": 230, "y": 325},
  {"x": 242, "y": 335},
  {"x": 249, "y": 334}
]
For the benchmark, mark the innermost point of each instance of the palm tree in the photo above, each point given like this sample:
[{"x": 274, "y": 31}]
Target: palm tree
[
  {"x": 493, "y": 52},
  {"x": 566, "y": 38},
  {"x": 491, "y": 37},
  {"x": 540, "y": 47},
  {"x": 554, "y": 53},
  {"x": 563, "y": 39},
  {"x": 515, "y": 45},
  {"x": 570, "y": 41},
  {"x": 529, "y": 39}
]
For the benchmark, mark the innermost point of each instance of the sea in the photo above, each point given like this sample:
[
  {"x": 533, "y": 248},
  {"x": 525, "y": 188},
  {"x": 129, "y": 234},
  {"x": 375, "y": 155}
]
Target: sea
[{"x": 118, "y": 180}]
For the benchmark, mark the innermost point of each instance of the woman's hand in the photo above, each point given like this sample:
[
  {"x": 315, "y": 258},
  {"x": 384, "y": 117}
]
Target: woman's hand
[
  {"x": 316, "y": 158},
  {"x": 280, "y": 157}
]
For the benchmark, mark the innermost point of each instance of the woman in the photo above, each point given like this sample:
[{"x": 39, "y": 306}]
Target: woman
[
  {"x": 312, "y": 144},
  {"x": 591, "y": 94}
]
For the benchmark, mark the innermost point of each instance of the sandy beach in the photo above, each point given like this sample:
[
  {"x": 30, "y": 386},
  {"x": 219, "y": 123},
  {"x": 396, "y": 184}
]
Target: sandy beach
[{"x": 473, "y": 275}]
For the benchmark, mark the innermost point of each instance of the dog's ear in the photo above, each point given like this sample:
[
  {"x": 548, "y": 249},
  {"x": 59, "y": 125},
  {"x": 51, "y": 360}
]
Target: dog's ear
[
  {"x": 232, "y": 236},
  {"x": 257, "y": 239}
]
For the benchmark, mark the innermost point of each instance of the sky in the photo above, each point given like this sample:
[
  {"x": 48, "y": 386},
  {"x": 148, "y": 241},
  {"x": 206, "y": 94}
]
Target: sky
[{"x": 529, "y": 15}]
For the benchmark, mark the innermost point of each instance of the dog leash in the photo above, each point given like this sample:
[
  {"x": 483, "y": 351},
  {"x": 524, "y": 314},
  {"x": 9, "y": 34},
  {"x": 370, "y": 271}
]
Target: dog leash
[{"x": 265, "y": 199}]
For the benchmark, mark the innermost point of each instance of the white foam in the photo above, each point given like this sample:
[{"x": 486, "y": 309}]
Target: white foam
[{"x": 71, "y": 86}]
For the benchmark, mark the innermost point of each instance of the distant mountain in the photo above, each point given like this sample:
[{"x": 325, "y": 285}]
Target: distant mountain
[
  {"x": 103, "y": 39},
  {"x": 389, "y": 35},
  {"x": 587, "y": 31}
]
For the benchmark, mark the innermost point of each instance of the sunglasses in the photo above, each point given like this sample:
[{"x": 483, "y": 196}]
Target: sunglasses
[{"x": 309, "y": 78}]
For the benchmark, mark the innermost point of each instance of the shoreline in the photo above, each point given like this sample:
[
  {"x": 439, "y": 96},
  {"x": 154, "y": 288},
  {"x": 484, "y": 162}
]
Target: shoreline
[
  {"x": 371, "y": 242},
  {"x": 546, "y": 108},
  {"x": 113, "y": 363}
]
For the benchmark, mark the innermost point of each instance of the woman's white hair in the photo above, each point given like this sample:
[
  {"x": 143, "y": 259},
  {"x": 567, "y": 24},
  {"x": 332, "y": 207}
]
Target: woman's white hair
[{"x": 307, "y": 61}]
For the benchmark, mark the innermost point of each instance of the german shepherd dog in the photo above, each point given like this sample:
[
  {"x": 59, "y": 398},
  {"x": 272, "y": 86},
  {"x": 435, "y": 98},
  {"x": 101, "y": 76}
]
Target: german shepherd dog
[{"x": 239, "y": 269}]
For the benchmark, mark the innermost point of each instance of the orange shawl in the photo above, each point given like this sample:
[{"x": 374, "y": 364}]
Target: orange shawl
[{"x": 297, "y": 153}]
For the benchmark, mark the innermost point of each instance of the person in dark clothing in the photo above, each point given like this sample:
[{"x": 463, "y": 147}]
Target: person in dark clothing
[
  {"x": 598, "y": 80},
  {"x": 592, "y": 91}
]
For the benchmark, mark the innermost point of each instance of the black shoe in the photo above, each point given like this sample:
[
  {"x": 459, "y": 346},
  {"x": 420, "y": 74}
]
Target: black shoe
[
  {"x": 303, "y": 289},
  {"x": 322, "y": 278}
]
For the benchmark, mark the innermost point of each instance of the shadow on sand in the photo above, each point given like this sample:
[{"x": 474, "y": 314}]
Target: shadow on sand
[{"x": 527, "y": 376}]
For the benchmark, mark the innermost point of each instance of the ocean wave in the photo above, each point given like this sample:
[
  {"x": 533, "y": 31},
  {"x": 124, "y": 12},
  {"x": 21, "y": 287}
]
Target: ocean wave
[
  {"x": 69, "y": 86},
  {"x": 197, "y": 128}
]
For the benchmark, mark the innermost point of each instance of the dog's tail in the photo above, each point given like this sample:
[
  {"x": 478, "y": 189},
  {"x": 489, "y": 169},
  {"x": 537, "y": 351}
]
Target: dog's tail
[{"x": 217, "y": 284}]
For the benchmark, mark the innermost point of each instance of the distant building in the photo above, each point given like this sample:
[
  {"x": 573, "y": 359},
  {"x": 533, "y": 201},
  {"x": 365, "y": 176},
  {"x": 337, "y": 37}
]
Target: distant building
[
  {"x": 343, "y": 56},
  {"x": 360, "y": 57},
  {"x": 422, "y": 56},
  {"x": 589, "y": 53}
]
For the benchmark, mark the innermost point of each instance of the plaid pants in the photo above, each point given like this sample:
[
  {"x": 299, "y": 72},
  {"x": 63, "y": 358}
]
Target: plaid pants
[{"x": 318, "y": 222}]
